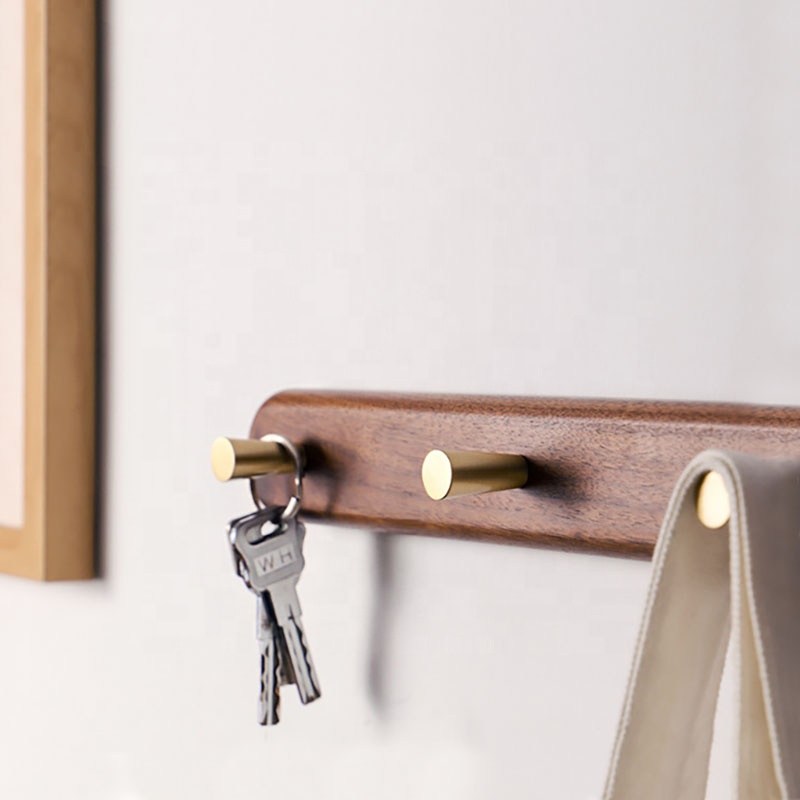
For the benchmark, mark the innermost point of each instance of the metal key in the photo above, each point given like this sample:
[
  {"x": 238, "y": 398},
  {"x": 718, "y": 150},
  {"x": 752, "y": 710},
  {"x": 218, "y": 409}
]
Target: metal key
[
  {"x": 273, "y": 564},
  {"x": 238, "y": 529},
  {"x": 268, "y": 635},
  {"x": 288, "y": 615},
  {"x": 271, "y": 647}
]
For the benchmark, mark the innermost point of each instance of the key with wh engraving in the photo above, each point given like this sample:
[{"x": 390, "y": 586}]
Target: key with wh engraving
[
  {"x": 281, "y": 569},
  {"x": 271, "y": 565},
  {"x": 274, "y": 667}
]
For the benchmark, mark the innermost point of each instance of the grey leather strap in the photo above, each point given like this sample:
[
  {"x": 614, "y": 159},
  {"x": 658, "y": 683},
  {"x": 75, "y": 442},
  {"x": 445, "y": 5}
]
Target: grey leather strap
[{"x": 742, "y": 580}]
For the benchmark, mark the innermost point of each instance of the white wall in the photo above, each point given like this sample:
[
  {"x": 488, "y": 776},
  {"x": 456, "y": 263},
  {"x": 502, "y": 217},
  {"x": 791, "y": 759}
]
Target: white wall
[{"x": 535, "y": 198}]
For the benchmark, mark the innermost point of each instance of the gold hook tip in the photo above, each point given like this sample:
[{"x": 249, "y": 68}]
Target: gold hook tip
[
  {"x": 713, "y": 501},
  {"x": 437, "y": 474},
  {"x": 223, "y": 458}
]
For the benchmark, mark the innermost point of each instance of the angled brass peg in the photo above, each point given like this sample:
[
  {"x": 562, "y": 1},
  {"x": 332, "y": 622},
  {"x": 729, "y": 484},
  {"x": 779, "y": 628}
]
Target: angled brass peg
[
  {"x": 450, "y": 473},
  {"x": 713, "y": 501},
  {"x": 248, "y": 458}
]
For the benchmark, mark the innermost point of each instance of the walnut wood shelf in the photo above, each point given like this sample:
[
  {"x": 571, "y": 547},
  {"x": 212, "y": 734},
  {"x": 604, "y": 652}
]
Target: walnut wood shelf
[{"x": 601, "y": 470}]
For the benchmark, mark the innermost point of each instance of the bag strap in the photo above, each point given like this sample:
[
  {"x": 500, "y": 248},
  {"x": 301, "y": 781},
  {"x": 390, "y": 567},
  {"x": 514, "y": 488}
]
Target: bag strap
[{"x": 747, "y": 573}]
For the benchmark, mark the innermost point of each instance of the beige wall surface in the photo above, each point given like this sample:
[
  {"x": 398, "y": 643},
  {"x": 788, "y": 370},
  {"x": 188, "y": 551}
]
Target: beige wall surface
[
  {"x": 11, "y": 263},
  {"x": 538, "y": 198}
]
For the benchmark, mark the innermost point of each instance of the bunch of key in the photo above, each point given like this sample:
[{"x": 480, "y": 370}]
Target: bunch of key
[{"x": 268, "y": 555}]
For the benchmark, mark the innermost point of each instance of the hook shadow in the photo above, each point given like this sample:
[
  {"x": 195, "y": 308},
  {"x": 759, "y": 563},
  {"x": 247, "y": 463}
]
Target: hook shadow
[{"x": 384, "y": 573}]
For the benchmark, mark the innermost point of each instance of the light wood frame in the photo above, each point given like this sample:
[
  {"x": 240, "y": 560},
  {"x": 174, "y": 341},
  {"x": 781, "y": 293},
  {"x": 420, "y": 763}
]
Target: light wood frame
[{"x": 56, "y": 540}]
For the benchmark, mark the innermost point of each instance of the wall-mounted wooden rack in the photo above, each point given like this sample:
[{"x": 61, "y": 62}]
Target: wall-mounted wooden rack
[{"x": 601, "y": 471}]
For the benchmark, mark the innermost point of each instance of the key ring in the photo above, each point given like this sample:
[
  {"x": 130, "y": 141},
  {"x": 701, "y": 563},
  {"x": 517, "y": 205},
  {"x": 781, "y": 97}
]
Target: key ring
[{"x": 293, "y": 506}]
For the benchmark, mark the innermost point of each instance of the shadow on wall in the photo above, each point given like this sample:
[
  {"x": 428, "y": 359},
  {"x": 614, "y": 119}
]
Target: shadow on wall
[{"x": 378, "y": 649}]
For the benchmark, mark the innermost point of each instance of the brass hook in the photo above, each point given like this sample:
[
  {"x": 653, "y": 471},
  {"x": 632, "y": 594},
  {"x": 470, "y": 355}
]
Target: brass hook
[
  {"x": 713, "y": 501},
  {"x": 449, "y": 473},
  {"x": 249, "y": 458}
]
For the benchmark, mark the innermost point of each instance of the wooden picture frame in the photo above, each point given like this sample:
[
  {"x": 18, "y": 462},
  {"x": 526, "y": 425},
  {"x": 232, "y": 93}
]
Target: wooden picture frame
[{"x": 56, "y": 539}]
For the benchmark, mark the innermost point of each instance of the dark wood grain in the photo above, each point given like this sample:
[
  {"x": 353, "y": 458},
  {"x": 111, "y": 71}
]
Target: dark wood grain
[{"x": 602, "y": 470}]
